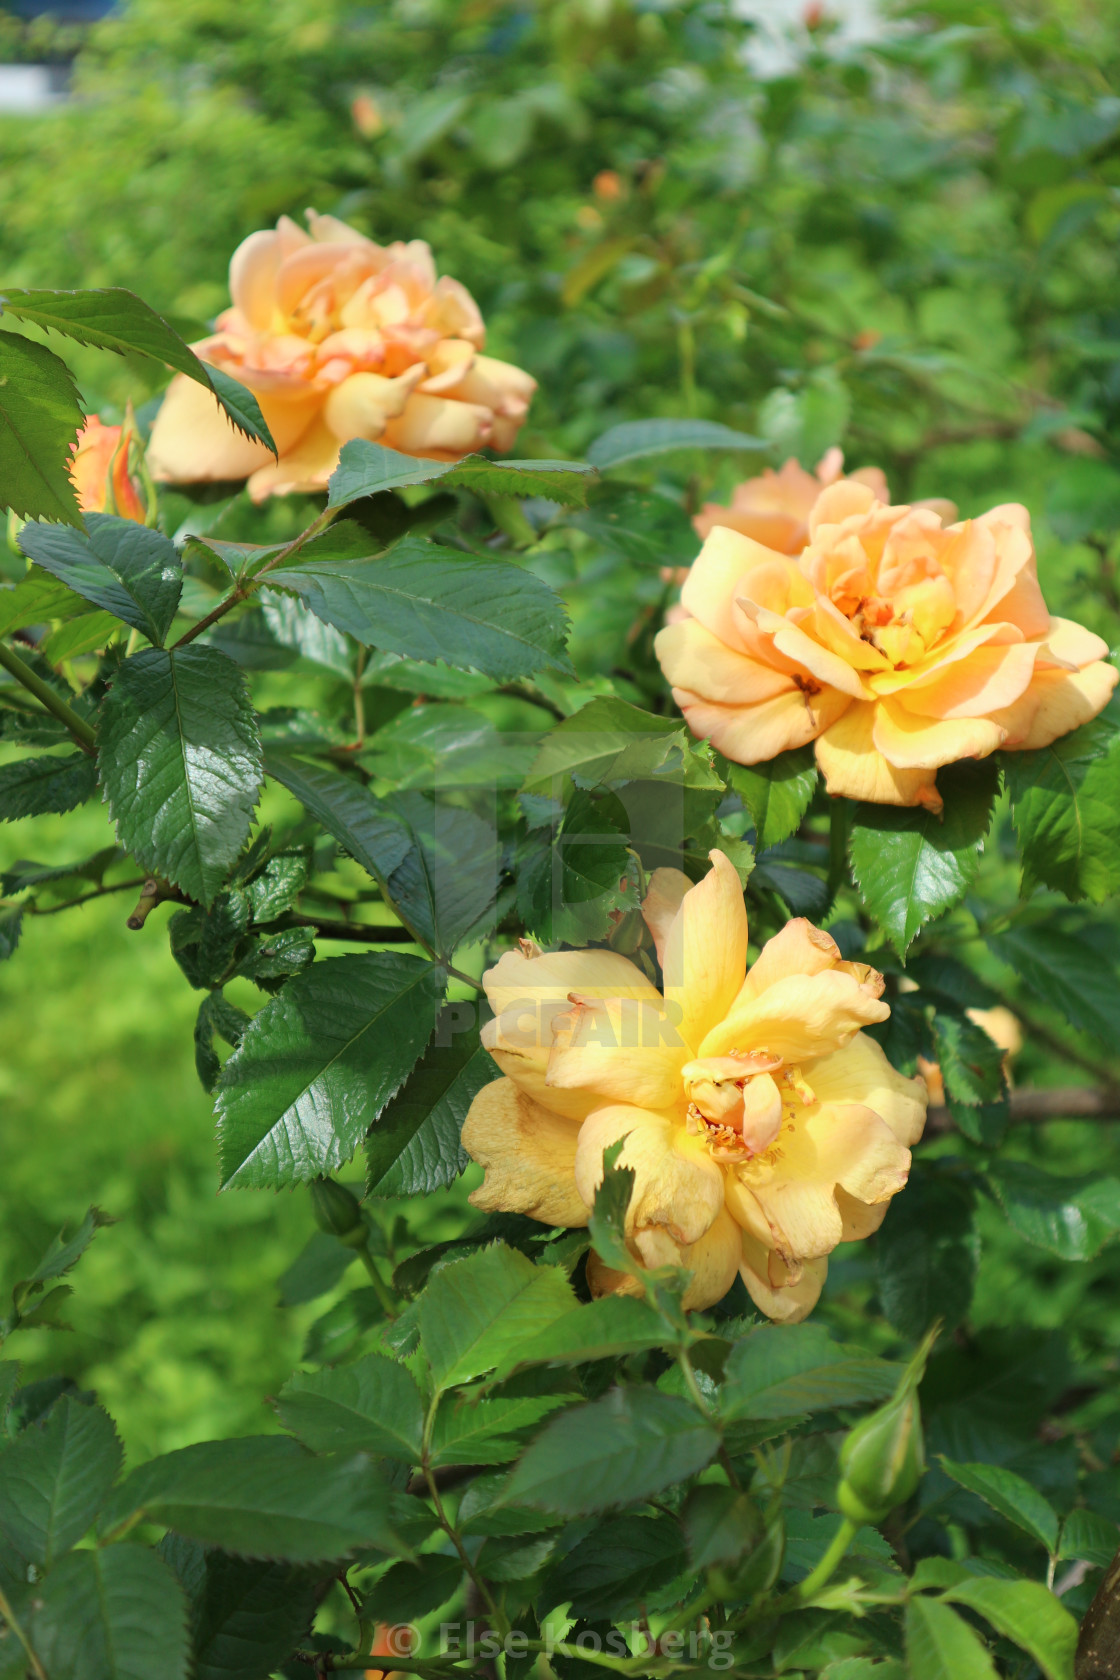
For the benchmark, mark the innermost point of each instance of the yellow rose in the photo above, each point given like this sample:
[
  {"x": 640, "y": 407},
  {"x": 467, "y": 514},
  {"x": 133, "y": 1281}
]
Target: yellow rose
[
  {"x": 896, "y": 643},
  {"x": 762, "y": 1125},
  {"x": 774, "y": 508},
  {"x": 339, "y": 338},
  {"x": 108, "y": 473}
]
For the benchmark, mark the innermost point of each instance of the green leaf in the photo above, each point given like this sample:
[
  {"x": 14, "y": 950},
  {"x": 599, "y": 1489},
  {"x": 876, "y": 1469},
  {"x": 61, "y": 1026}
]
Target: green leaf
[
  {"x": 619, "y": 1450},
  {"x": 972, "y": 1068},
  {"x": 1028, "y": 1613},
  {"x": 35, "y": 599},
  {"x": 216, "y": 1017},
  {"x": 11, "y": 926},
  {"x": 644, "y": 525},
  {"x": 63, "y": 1253},
  {"x": 612, "y": 1573},
  {"x": 117, "y": 1613},
  {"x": 431, "y": 603},
  {"x": 475, "y": 1311},
  {"x": 80, "y": 635},
  {"x": 606, "y": 743},
  {"x": 125, "y": 568},
  {"x": 444, "y": 887},
  {"x": 1011, "y": 1496},
  {"x": 607, "y": 1220},
  {"x": 40, "y": 417},
  {"x": 408, "y": 1591},
  {"x": 940, "y": 1646},
  {"x": 34, "y": 785},
  {"x": 372, "y": 834},
  {"x": 777, "y": 794},
  {"x": 1052, "y": 962},
  {"x": 371, "y": 1406},
  {"x": 112, "y": 318},
  {"x": 415, "y": 1146},
  {"x": 1071, "y": 1217},
  {"x": 249, "y": 1616},
  {"x": 781, "y": 1371},
  {"x": 318, "y": 1064},
  {"x": 635, "y": 440},
  {"x": 366, "y": 469},
  {"x": 911, "y": 864},
  {"x": 573, "y": 881},
  {"x": 474, "y": 1431},
  {"x": 603, "y": 1329},
  {"x": 1088, "y": 1536},
  {"x": 320, "y": 1264},
  {"x": 928, "y": 1255},
  {"x": 720, "y": 1524},
  {"x": 57, "y": 1475},
  {"x": 180, "y": 761},
  {"x": 1065, "y": 802},
  {"x": 263, "y": 1496}
]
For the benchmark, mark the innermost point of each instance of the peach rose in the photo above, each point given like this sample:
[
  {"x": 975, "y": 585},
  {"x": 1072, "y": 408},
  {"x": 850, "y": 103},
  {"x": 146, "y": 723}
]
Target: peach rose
[
  {"x": 339, "y": 338},
  {"x": 774, "y": 508},
  {"x": 108, "y": 472},
  {"x": 762, "y": 1124},
  {"x": 896, "y": 643}
]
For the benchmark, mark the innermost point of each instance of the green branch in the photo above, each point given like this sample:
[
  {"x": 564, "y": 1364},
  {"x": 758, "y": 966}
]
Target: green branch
[{"x": 47, "y": 697}]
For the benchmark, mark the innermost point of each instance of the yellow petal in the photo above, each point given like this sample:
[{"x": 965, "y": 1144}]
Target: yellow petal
[
  {"x": 193, "y": 442},
  {"x": 854, "y": 768},
  {"x": 992, "y": 676},
  {"x": 713, "y": 1259},
  {"x": 663, "y": 899},
  {"x": 692, "y": 658},
  {"x": 910, "y": 742},
  {"x": 801, "y": 1016},
  {"x": 438, "y": 428},
  {"x": 362, "y": 405},
  {"x": 799, "y": 948},
  {"x": 622, "y": 1049},
  {"x": 713, "y": 582},
  {"x": 860, "y": 1219},
  {"x": 1055, "y": 703},
  {"x": 775, "y": 1291},
  {"x": 861, "y": 1073},
  {"x": 678, "y": 1188},
  {"x": 252, "y": 277},
  {"x": 528, "y": 1154},
  {"x": 755, "y": 733},
  {"x": 706, "y": 951},
  {"x": 304, "y": 468}
]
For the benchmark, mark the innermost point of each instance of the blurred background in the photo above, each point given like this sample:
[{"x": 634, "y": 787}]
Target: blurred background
[{"x": 888, "y": 226}]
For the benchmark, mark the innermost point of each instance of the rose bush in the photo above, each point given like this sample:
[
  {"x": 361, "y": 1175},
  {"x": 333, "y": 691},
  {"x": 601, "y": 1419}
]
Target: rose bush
[
  {"x": 338, "y": 338},
  {"x": 893, "y": 642}
]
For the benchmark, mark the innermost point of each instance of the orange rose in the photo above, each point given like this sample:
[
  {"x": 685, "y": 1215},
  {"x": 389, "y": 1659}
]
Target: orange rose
[
  {"x": 896, "y": 643},
  {"x": 107, "y": 470},
  {"x": 339, "y": 338}
]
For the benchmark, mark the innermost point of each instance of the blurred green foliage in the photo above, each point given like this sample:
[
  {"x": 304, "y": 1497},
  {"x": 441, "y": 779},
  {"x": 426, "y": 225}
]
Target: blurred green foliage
[{"x": 906, "y": 245}]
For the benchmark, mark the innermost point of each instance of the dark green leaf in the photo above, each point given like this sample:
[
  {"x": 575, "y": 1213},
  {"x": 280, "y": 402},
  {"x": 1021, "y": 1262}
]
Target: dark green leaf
[
  {"x": 613, "y": 1572},
  {"x": 180, "y": 762},
  {"x": 1028, "y": 1613},
  {"x": 1071, "y": 1217},
  {"x": 645, "y": 525},
  {"x": 475, "y": 1311},
  {"x": 318, "y": 1065},
  {"x": 415, "y": 1146},
  {"x": 249, "y": 1616},
  {"x": 35, "y": 599},
  {"x": 777, "y": 793},
  {"x": 56, "y": 1477},
  {"x": 240, "y": 405},
  {"x": 40, "y": 417},
  {"x": 373, "y": 1406},
  {"x": 473, "y": 1431},
  {"x": 618, "y": 1450},
  {"x": 941, "y": 1646},
  {"x": 634, "y": 440},
  {"x": 1052, "y": 962},
  {"x": 431, "y": 603},
  {"x": 928, "y": 1254},
  {"x": 216, "y": 1017},
  {"x": 34, "y": 785},
  {"x": 607, "y": 1223},
  {"x": 113, "y": 1614},
  {"x": 408, "y": 1591},
  {"x": 316, "y": 1269},
  {"x": 444, "y": 887},
  {"x": 911, "y": 864},
  {"x": 11, "y": 925},
  {"x": 1087, "y": 1535},
  {"x": 64, "y": 1252},
  {"x": 573, "y": 882},
  {"x": 783, "y": 1370},
  {"x": 720, "y": 1525},
  {"x": 264, "y": 1497},
  {"x": 276, "y": 955},
  {"x": 372, "y": 834},
  {"x": 1065, "y": 800},
  {"x": 125, "y": 568},
  {"x": 603, "y": 1329},
  {"x": 972, "y": 1069},
  {"x": 336, "y": 1335},
  {"x": 1007, "y": 1493},
  {"x": 366, "y": 469},
  {"x": 609, "y": 742}
]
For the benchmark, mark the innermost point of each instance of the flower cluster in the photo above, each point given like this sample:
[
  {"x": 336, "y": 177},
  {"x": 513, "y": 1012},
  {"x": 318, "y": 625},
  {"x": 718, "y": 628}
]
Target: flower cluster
[
  {"x": 339, "y": 338},
  {"x": 762, "y": 1124},
  {"x": 895, "y": 642}
]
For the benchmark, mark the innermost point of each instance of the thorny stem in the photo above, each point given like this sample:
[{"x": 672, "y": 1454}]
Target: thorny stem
[
  {"x": 246, "y": 586},
  {"x": 47, "y": 697}
]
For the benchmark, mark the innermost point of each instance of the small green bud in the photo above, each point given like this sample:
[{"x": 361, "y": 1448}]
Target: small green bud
[
  {"x": 883, "y": 1458},
  {"x": 337, "y": 1212}
]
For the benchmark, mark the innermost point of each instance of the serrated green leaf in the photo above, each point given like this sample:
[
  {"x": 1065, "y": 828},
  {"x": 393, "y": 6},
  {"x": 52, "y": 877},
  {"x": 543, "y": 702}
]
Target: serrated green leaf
[
  {"x": 645, "y": 525},
  {"x": 1088, "y": 1536},
  {"x": 1052, "y": 962},
  {"x": 941, "y": 1646},
  {"x": 318, "y": 1065},
  {"x": 430, "y": 603},
  {"x": 408, "y": 1591},
  {"x": 127, "y": 569},
  {"x": 473, "y": 1431},
  {"x": 179, "y": 757},
  {"x": 11, "y": 926},
  {"x": 618, "y": 1450},
  {"x": 1008, "y": 1493},
  {"x": 112, "y": 318},
  {"x": 475, "y": 1311},
  {"x": 1065, "y": 802},
  {"x": 720, "y": 1524},
  {"x": 636, "y": 440},
  {"x": 216, "y": 1017},
  {"x": 777, "y": 794},
  {"x": 319, "y": 1265},
  {"x": 35, "y": 599},
  {"x": 928, "y": 1254},
  {"x": 912, "y": 864},
  {"x": 614, "y": 1570},
  {"x": 363, "y": 825},
  {"x": 445, "y": 886},
  {"x": 1028, "y": 1613},
  {"x": 604, "y": 1329},
  {"x": 415, "y": 1146},
  {"x": 371, "y": 1406},
  {"x": 56, "y": 1476},
  {"x": 606, "y": 743},
  {"x": 34, "y": 785},
  {"x": 40, "y": 417},
  {"x": 80, "y": 635},
  {"x": 781, "y": 1371},
  {"x": 249, "y": 1616},
  {"x": 573, "y": 881},
  {"x": 117, "y": 1613},
  {"x": 263, "y": 1496},
  {"x": 64, "y": 1252},
  {"x": 366, "y": 468},
  {"x": 1071, "y": 1217}
]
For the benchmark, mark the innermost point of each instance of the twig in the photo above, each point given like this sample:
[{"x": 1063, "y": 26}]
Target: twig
[
  {"x": 47, "y": 697},
  {"x": 361, "y": 932},
  {"x": 247, "y": 585},
  {"x": 1035, "y": 1107}
]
